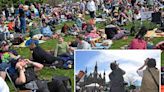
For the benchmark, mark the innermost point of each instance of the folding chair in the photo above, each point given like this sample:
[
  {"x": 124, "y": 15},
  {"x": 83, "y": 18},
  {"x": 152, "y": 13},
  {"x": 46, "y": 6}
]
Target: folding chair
[{"x": 15, "y": 88}]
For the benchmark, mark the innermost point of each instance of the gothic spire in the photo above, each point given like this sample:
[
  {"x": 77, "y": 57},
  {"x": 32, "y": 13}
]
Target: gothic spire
[
  {"x": 86, "y": 70},
  {"x": 96, "y": 67}
]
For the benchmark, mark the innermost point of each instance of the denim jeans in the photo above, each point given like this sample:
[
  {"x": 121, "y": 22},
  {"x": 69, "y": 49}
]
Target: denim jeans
[
  {"x": 6, "y": 35},
  {"x": 23, "y": 25},
  {"x": 4, "y": 65}
]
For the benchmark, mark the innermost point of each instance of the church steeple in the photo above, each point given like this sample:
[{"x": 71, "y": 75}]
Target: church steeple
[
  {"x": 104, "y": 73},
  {"x": 86, "y": 70},
  {"x": 104, "y": 77},
  {"x": 96, "y": 67}
]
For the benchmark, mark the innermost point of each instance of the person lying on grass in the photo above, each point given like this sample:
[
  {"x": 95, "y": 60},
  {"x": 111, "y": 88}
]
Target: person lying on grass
[
  {"x": 41, "y": 56},
  {"x": 24, "y": 74}
]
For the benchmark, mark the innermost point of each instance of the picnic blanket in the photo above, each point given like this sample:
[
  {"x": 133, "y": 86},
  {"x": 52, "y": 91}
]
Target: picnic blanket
[
  {"x": 152, "y": 33},
  {"x": 100, "y": 20},
  {"x": 106, "y": 44},
  {"x": 100, "y": 46},
  {"x": 23, "y": 44},
  {"x": 146, "y": 15}
]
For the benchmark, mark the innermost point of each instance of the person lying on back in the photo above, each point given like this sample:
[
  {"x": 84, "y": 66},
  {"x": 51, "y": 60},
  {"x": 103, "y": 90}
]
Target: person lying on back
[
  {"x": 40, "y": 55},
  {"x": 23, "y": 74}
]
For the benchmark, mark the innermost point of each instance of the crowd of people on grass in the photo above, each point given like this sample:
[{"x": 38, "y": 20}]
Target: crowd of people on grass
[
  {"x": 16, "y": 25},
  {"x": 33, "y": 22},
  {"x": 39, "y": 21}
]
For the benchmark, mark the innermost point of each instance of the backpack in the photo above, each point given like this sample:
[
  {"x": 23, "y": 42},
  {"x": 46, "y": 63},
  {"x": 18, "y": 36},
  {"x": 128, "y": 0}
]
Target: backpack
[
  {"x": 30, "y": 41},
  {"x": 17, "y": 41},
  {"x": 66, "y": 81}
]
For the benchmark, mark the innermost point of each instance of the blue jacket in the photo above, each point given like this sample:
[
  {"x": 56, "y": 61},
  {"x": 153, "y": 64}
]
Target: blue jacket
[{"x": 46, "y": 31}]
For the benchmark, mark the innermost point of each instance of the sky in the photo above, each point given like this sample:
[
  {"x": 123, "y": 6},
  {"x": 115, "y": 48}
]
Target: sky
[{"x": 129, "y": 61}]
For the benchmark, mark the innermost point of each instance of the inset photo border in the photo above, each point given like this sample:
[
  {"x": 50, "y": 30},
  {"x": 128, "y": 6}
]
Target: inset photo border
[{"x": 117, "y": 70}]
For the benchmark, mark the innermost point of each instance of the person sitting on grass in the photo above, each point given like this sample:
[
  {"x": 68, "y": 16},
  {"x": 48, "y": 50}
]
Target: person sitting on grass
[
  {"x": 62, "y": 48},
  {"x": 150, "y": 44},
  {"x": 4, "y": 30},
  {"x": 123, "y": 18},
  {"x": 36, "y": 33},
  {"x": 24, "y": 75},
  {"x": 150, "y": 76},
  {"x": 92, "y": 34},
  {"x": 103, "y": 41},
  {"x": 89, "y": 27},
  {"x": 138, "y": 42},
  {"x": 82, "y": 44},
  {"x": 65, "y": 29},
  {"x": 46, "y": 31},
  {"x": 79, "y": 21},
  {"x": 74, "y": 30},
  {"x": 11, "y": 25}
]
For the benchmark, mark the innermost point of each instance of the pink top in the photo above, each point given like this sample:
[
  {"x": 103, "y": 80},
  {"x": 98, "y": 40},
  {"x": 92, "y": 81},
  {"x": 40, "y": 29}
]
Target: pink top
[
  {"x": 93, "y": 34},
  {"x": 138, "y": 44}
]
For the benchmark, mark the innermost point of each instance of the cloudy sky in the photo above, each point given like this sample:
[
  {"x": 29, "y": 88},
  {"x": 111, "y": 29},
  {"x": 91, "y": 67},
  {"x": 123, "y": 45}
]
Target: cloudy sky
[{"x": 129, "y": 61}]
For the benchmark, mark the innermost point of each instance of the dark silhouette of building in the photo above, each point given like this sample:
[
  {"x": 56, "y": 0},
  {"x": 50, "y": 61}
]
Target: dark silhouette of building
[{"x": 92, "y": 78}]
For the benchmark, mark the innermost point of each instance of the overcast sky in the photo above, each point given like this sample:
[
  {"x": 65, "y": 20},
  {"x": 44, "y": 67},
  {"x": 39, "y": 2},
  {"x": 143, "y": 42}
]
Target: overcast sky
[{"x": 129, "y": 60}]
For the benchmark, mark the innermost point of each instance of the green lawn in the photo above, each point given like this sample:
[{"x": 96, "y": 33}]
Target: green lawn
[{"x": 48, "y": 73}]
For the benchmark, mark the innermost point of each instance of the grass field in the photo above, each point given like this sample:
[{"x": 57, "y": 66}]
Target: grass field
[{"x": 48, "y": 73}]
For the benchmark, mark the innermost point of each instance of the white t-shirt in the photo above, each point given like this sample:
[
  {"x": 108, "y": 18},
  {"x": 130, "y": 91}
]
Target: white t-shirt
[
  {"x": 91, "y": 6},
  {"x": 3, "y": 87},
  {"x": 98, "y": 2},
  {"x": 4, "y": 29},
  {"x": 12, "y": 9},
  {"x": 84, "y": 45}
]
